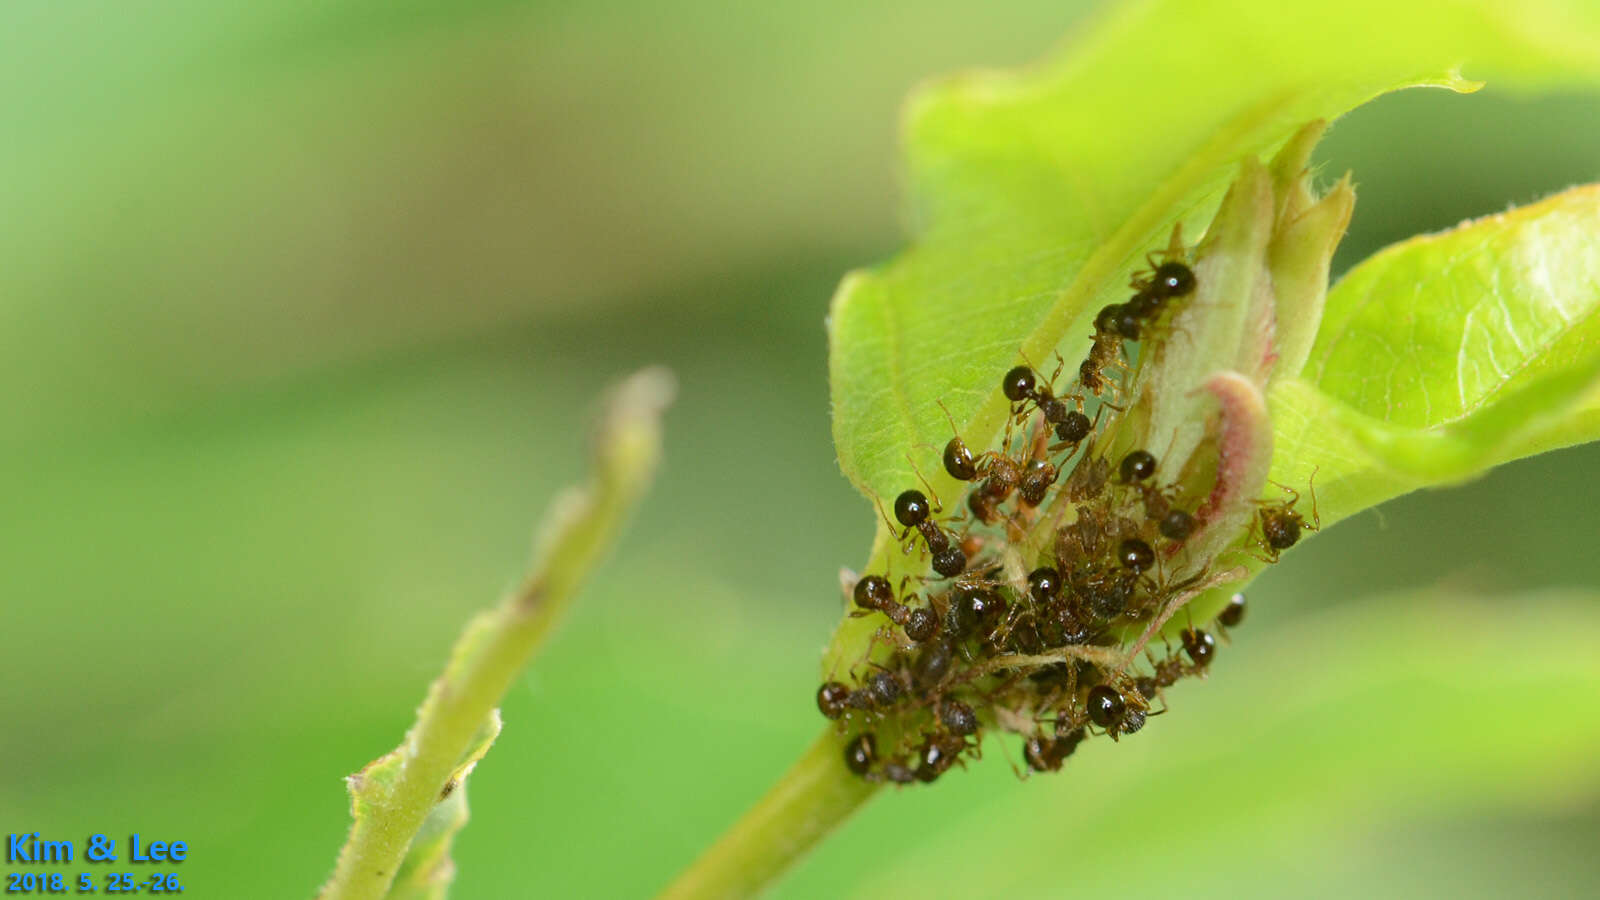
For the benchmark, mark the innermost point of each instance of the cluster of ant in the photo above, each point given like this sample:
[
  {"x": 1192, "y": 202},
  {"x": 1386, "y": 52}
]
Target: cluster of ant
[{"x": 1024, "y": 620}]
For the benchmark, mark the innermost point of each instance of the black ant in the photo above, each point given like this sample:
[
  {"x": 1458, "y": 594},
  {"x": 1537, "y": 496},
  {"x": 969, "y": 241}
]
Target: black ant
[
  {"x": 880, "y": 692},
  {"x": 912, "y": 510},
  {"x": 1135, "y": 555},
  {"x": 1046, "y": 754},
  {"x": 959, "y": 461},
  {"x": 1137, "y": 466},
  {"x": 873, "y": 594},
  {"x": 958, "y": 718},
  {"x": 1036, "y": 481},
  {"x": 1070, "y": 424},
  {"x": 1169, "y": 279},
  {"x": 1233, "y": 613},
  {"x": 938, "y": 753},
  {"x": 1176, "y": 525},
  {"x": 860, "y": 752},
  {"x": 1200, "y": 646},
  {"x": 1116, "y": 712},
  {"x": 971, "y": 607},
  {"x": 831, "y": 699},
  {"x": 932, "y": 665},
  {"x": 1281, "y": 525}
]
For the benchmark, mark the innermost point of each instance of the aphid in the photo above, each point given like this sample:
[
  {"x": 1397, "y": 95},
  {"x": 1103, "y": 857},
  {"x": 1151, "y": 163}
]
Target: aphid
[
  {"x": 1233, "y": 613},
  {"x": 1200, "y": 646},
  {"x": 1137, "y": 466},
  {"x": 1091, "y": 372},
  {"x": 1088, "y": 479},
  {"x": 1105, "y": 595},
  {"x": 831, "y": 699},
  {"x": 860, "y": 752}
]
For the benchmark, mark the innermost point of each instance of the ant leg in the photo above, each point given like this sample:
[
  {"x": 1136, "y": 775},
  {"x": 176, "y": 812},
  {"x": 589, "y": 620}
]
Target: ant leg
[
  {"x": 949, "y": 418},
  {"x": 905, "y": 545},
  {"x": 938, "y": 506}
]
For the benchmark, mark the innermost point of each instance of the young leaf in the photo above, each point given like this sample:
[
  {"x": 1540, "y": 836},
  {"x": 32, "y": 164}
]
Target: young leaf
[
  {"x": 1449, "y": 353},
  {"x": 1036, "y": 192}
]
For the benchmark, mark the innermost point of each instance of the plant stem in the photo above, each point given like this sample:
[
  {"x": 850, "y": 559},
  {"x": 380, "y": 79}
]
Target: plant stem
[
  {"x": 392, "y": 796},
  {"x": 813, "y": 798}
]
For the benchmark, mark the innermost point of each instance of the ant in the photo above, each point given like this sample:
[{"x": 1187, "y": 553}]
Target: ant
[
  {"x": 958, "y": 718},
  {"x": 873, "y": 594},
  {"x": 1137, "y": 466},
  {"x": 1036, "y": 481},
  {"x": 1169, "y": 279},
  {"x": 959, "y": 461},
  {"x": 912, "y": 510},
  {"x": 1116, "y": 712},
  {"x": 1281, "y": 524},
  {"x": 860, "y": 752},
  {"x": 831, "y": 699},
  {"x": 938, "y": 753},
  {"x": 1046, "y": 754},
  {"x": 1200, "y": 646},
  {"x": 1173, "y": 523},
  {"x": 1232, "y": 614},
  {"x": 881, "y": 691},
  {"x": 1020, "y": 385}
]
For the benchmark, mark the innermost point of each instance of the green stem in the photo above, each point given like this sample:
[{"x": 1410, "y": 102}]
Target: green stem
[
  {"x": 813, "y": 798},
  {"x": 393, "y": 795}
]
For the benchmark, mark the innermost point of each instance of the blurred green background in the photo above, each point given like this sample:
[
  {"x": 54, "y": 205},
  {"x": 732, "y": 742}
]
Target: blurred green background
[{"x": 305, "y": 304}]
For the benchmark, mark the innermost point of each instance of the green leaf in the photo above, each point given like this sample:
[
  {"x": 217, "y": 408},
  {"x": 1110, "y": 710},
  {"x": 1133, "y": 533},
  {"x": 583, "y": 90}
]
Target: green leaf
[
  {"x": 1450, "y": 353},
  {"x": 1037, "y": 192}
]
